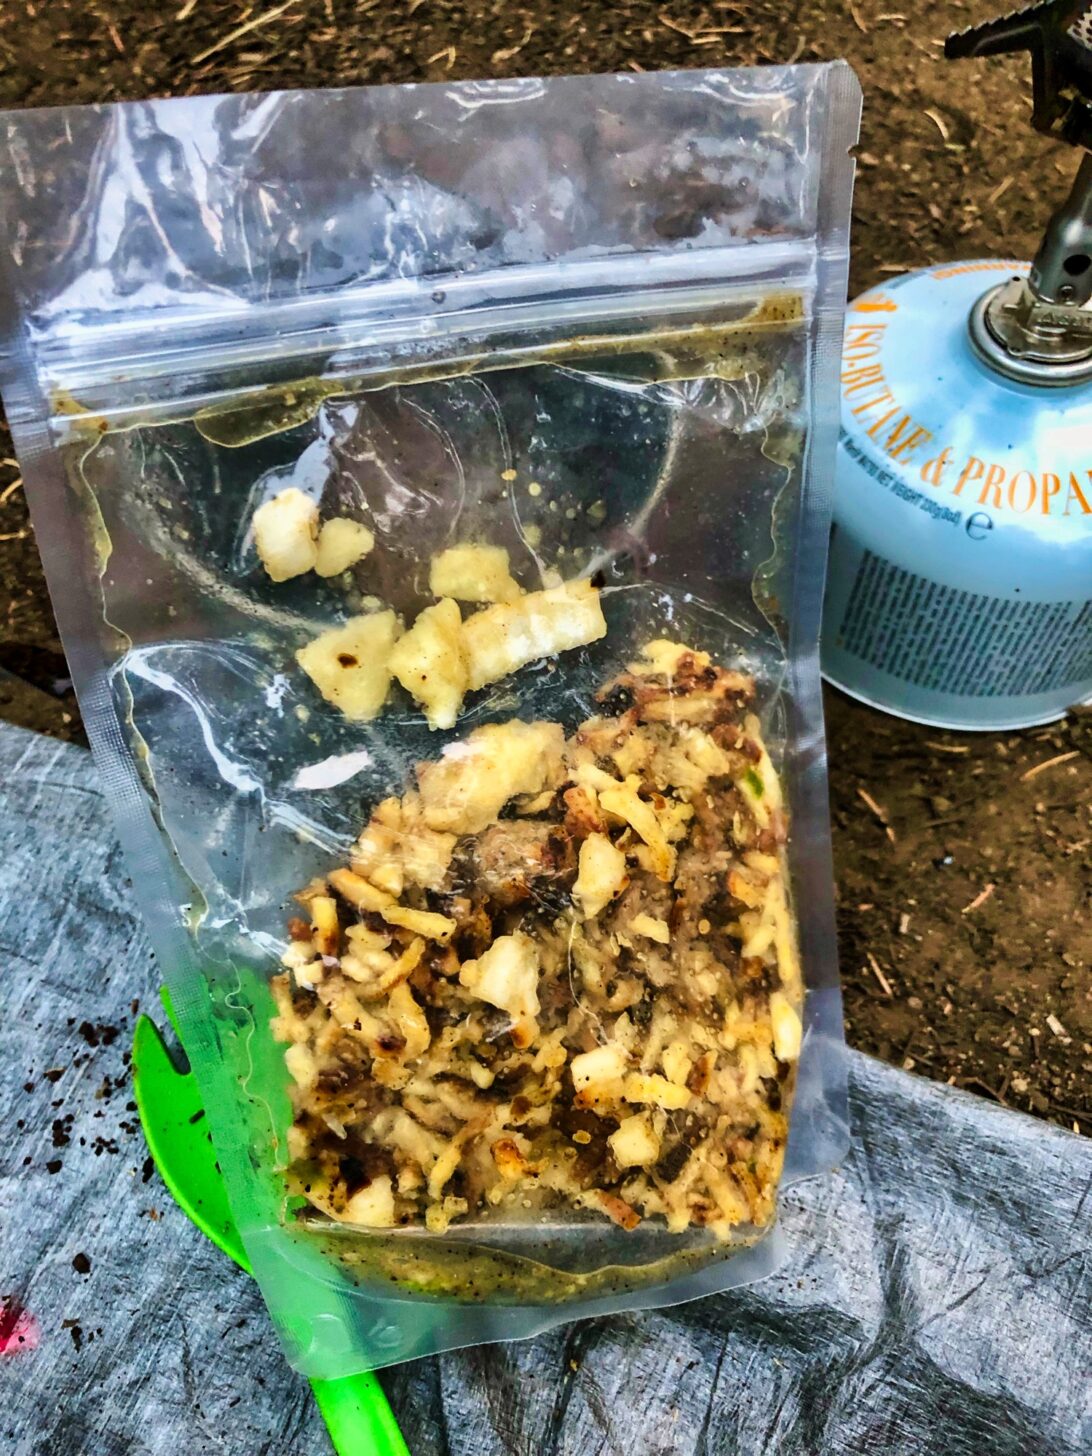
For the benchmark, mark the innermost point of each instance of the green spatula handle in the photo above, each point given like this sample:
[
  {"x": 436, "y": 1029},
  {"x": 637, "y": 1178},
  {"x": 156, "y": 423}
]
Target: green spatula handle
[
  {"x": 358, "y": 1417},
  {"x": 355, "y": 1409}
]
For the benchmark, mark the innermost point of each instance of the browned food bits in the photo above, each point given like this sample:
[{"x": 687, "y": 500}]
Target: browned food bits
[{"x": 561, "y": 974}]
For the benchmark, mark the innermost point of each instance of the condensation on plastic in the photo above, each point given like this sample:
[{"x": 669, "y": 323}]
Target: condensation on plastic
[{"x": 627, "y": 288}]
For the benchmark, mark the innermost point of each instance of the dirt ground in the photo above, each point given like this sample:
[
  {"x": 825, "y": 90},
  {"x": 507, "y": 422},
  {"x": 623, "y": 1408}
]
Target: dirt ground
[{"x": 963, "y": 862}]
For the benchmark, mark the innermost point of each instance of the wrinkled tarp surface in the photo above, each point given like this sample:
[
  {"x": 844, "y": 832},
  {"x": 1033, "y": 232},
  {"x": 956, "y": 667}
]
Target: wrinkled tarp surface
[{"x": 938, "y": 1298}]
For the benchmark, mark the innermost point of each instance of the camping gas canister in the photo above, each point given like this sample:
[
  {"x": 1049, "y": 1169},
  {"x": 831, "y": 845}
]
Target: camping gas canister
[
  {"x": 961, "y": 562},
  {"x": 959, "y": 590}
]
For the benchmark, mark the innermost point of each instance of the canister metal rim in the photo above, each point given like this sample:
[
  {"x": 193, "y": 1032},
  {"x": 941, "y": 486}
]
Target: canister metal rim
[{"x": 1040, "y": 372}]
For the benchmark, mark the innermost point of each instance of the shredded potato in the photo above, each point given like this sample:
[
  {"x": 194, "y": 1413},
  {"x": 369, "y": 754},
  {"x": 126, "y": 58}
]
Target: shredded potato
[{"x": 557, "y": 974}]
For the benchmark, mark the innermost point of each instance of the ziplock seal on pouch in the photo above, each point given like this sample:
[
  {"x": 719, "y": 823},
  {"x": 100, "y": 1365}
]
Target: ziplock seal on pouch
[{"x": 434, "y": 486}]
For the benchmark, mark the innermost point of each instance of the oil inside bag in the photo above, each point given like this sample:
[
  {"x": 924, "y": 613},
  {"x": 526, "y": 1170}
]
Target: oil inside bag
[{"x": 664, "y": 462}]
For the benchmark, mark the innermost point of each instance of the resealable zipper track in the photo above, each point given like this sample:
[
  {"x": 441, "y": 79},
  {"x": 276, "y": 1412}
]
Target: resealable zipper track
[{"x": 164, "y": 365}]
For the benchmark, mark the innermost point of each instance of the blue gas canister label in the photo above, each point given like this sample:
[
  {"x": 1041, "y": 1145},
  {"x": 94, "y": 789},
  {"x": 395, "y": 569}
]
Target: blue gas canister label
[{"x": 959, "y": 590}]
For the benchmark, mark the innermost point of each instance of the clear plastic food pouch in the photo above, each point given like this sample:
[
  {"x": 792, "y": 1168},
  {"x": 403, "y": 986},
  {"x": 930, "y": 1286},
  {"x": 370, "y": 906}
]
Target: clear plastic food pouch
[{"x": 433, "y": 483}]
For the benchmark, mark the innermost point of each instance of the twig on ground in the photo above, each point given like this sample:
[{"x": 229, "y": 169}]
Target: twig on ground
[
  {"x": 999, "y": 191},
  {"x": 507, "y": 52},
  {"x": 983, "y": 1086},
  {"x": 939, "y": 122},
  {"x": 1033, "y": 773},
  {"x": 1072, "y": 1112},
  {"x": 700, "y": 34},
  {"x": 877, "y": 971},
  {"x": 881, "y": 814},
  {"x": 980, "y": 899},
  {"x": 241, "y": 30}
]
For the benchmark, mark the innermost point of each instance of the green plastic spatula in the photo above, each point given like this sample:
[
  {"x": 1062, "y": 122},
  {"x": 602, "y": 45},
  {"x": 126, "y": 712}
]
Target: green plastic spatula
[{"x": 357, "y": 1416}]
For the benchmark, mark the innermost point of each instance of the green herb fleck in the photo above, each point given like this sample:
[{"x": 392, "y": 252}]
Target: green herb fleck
[{"x": 754, "y": 782}]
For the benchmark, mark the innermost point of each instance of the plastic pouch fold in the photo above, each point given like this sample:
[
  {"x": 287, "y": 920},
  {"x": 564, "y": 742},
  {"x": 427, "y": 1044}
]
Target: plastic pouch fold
[{"x": 433, "y": 484}]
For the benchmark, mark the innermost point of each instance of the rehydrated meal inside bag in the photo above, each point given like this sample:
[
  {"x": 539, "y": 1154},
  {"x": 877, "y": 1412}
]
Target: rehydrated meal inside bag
[
  {"x": 432, "y": 483},
  {"x": 557, "y": 974}
]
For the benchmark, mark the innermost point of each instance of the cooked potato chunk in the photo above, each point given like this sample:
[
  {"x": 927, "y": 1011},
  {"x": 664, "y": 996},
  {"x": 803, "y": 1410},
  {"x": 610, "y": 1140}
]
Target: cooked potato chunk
[
  {"x": 788, "y": 1032},
  {"x": 358, "y": 891},
  {"x": 655, "y": 1089},
  {"x": 376, "y": 856},
  {"x": 625, "y": 803},
  {"x": 285, "y": 534},
  {"x": 302, "y": 1066},
  {"x": 421, "y": 922},
  {"x": 509, "y": 1158},
  {"x": 582, "y": 816},
  {"x": 466, "y": 789},
  {"x": 341, "y": 544},
  {"x": 364, "y": 938},
  {"x": 396, "y": 848},
  {"x": 505, "y": 637},
  {"x": 662, "y": 656},
  {"x": 409, "y": 1022},
  {"x": 373, "y": 1206},
  {"x": 472, "y": 573},
  {"x": 636, "y": 1143},
  {"x": 506, "y": 976},
  {"x": 745, "y": 890},
  {"x": 602, "y": 875},
  {"x": 325, "y": 925},
  {"x": 430, "y": 662},
  {"x": 677, "y": 1063},
  {"x": 426, "y": 856},
  {"x": 597, "y": 1075},
  {"x": 652, "y": 927},
  {"x": 376, "y": 971},
  {"x": 350, "y": 665}
]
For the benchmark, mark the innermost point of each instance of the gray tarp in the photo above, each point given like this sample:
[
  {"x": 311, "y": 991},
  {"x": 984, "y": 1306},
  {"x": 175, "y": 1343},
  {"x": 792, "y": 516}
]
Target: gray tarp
[{"x": 938, "y": 1299}]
